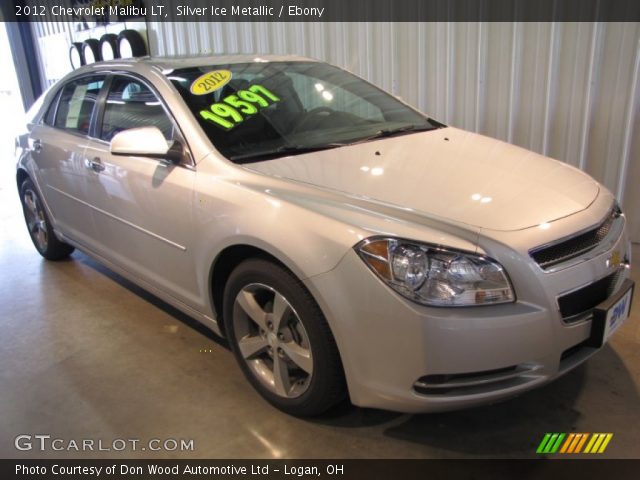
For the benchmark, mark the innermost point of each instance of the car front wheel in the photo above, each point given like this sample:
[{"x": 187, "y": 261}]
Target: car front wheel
[
  {"x": 40, "y": 229},
  {"x": 281, "y": 339}
]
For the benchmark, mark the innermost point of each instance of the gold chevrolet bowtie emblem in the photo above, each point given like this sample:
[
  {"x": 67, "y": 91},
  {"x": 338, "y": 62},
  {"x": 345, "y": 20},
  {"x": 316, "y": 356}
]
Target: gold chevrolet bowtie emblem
[{"x": 614, "y": 259}]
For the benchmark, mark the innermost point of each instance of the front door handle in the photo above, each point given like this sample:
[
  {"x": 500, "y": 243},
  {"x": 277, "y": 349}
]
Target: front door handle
[
  {"x": 36, "y": 145},
  {"x": 96, "y": 164}
]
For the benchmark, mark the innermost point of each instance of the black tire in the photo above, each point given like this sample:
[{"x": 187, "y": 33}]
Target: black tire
[
  {"x": 52, "y": 249},
  {"x": 138, "y": 46},
  {"x": 110, "y": 39},
  {"x": 326, "y": 386},
  {"x": 93, "y": 46},
  {"x": 76, "y": 49}
]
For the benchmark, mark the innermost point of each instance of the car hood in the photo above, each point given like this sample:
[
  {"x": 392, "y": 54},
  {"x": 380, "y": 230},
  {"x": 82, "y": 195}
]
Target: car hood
[{"x": 447, "y": 173}]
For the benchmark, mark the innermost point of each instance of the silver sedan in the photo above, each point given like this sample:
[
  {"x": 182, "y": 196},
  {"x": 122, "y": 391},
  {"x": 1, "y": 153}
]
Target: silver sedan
[{"x": 345, "y": 243}]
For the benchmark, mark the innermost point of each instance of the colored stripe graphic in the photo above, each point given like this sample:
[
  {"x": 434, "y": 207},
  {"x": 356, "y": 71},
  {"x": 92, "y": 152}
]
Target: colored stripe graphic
[
  {"x": 543, "y": 443},
  {"x": 567, "y": 443},
  {"x": 574, "y": 443},
  {"x": 556, "y": 445},
  {"x": 606, "y": 442},
  {"x": 598, "y": 442},
  {"x": 550, "y": 443},
  {"x": 581, "y": 442}
]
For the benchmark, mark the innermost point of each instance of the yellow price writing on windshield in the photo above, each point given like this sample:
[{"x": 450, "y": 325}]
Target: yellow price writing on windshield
[{"x": 235, "y": 109}]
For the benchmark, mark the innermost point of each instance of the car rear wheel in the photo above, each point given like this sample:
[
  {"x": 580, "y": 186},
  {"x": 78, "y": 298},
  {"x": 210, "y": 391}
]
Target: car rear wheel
[
  {"x": 281, "y": 339},
  {"x": 40, "y": 229}
]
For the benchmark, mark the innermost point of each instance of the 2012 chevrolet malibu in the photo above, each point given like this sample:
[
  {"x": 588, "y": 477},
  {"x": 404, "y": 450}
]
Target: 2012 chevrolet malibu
[{"x": 343, "y": 242}]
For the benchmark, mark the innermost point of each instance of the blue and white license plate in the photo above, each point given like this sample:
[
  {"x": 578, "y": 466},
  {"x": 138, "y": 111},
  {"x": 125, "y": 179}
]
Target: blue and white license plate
[
  {"x": 617, "y": 314},
  {"x": 610, "y": 314}
]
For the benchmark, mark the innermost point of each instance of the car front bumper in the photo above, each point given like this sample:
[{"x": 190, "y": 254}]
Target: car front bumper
[{"x": 402, "y": 356}]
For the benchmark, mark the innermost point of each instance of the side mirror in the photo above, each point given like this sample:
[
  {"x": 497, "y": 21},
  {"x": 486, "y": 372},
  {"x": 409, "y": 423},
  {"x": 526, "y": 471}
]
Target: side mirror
[{"x": 146, "y": 142}]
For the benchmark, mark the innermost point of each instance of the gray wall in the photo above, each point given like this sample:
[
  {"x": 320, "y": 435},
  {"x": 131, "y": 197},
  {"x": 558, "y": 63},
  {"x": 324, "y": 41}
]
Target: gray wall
[{"x": 567, "y": 90}]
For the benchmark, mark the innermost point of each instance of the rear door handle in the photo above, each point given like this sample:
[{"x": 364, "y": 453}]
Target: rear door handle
[{"x": 95, "y": 164}]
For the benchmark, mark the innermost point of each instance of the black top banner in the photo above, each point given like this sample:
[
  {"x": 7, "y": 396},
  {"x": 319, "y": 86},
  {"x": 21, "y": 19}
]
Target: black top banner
[{"x": 325, "y": 10}]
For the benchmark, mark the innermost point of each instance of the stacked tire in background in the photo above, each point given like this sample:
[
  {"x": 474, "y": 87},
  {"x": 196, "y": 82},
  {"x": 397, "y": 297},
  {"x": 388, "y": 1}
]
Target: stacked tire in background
[{"x": 127, "y": 44}]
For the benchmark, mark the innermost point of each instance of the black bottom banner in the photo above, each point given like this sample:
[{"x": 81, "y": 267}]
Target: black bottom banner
[{"x": 329, "y": 469}]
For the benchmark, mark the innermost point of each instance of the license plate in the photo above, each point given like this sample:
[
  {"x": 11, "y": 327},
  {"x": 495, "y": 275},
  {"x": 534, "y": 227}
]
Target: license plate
[
  {"x": 617, "y": 314},
  {"x": 610, "y": 314}
]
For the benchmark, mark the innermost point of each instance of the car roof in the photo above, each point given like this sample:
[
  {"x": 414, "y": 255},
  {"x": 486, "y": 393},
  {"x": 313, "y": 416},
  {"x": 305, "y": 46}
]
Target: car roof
[{"x": 185, "y": 61}]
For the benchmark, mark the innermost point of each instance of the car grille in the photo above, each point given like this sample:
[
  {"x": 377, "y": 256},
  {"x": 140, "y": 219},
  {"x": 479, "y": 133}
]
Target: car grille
[
  {"x": 575, "y": 305},
  {"x": 573, "y": 247}
]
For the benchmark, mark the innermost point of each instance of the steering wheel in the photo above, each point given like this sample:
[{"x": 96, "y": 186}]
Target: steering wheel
[{"x": 310, "y": 115}]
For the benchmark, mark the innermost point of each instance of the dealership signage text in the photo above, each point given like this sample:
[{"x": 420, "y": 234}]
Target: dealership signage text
[{"x": 196, "y": 470}]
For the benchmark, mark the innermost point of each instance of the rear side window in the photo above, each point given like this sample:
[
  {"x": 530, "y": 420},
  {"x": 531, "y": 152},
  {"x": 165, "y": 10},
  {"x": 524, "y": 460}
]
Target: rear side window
[
  {"x": 131, "y": 104},
  {"x": 76, "y": 104},
  {"x": 49, "y": 118}
]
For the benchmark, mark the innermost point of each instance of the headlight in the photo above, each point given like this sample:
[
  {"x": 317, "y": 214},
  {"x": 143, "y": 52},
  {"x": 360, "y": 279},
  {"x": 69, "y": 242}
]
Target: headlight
[{"x": 436, "y": 276}]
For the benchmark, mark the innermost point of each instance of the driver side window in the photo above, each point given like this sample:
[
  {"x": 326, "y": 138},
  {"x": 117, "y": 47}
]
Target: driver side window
[{"x": 131, "y": 104}]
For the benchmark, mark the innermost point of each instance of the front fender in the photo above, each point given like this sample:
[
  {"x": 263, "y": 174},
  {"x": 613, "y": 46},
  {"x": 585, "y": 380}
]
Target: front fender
[{"x": 307, "y": 230}]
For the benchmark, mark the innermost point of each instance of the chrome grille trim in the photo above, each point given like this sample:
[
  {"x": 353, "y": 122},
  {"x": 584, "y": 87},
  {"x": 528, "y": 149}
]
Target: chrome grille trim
[{"x": 577, "y": 245}]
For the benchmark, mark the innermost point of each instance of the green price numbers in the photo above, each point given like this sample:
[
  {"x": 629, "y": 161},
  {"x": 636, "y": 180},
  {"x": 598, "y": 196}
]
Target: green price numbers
[{"x": 235, "y": 109}]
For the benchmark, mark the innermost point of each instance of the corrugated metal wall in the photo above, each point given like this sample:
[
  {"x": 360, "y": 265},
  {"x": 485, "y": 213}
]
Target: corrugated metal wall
[
  {"x": 567, "y": 90},
  {"x": 54, "y": 38}
]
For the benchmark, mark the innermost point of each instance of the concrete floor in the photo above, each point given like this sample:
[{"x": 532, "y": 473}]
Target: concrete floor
[{"x": 86, "y": 354}]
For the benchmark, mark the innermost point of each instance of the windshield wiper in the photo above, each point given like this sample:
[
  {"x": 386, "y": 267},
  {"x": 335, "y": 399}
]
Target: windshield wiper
[
  {"x": 285, "y": 150},
  {"x": 390, "y": 132},
  {"x": 282, "y": 151}
]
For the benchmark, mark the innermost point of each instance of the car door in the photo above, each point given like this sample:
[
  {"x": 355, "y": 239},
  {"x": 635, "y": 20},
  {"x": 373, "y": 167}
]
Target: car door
[
  {"x": 57, "y": 147},
  {"x": 142, "y": 206}
]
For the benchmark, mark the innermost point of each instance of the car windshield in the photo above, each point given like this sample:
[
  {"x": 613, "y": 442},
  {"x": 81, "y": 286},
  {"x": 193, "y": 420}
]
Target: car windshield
[{"x": 262, "y": 110}]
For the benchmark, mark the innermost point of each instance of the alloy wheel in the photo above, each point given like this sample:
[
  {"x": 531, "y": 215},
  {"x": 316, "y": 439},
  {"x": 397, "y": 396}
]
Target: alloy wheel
[
  {"x": 36, "y": 221},
  {"x": 272, "y": 340}
]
